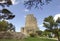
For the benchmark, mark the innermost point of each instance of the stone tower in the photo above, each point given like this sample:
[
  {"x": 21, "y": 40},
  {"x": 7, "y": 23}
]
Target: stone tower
[{"x": 30, "y": 25}]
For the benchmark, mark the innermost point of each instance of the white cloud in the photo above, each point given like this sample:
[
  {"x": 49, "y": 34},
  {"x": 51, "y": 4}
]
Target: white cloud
[
  {"x": 26, "y": 10},
  {"x": 40, "y": 25},
  {"x": 56, "y": 16},
  {"x": 24, "y": 16}
]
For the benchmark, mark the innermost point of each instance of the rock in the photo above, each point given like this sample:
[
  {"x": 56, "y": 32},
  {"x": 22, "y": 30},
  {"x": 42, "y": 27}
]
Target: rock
[{"x": 12, "y": 35}]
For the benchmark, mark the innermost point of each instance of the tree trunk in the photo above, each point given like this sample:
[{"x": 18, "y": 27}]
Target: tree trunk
[{"x": 58, "y": 36}]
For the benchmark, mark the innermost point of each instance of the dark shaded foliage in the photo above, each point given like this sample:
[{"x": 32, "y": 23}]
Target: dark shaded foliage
[
  {"x": 58, "y": 20},
  {"x": 35, "y": 3},
  {"x": 39, "y": 32},
  {"x": 5, "y": 13},
  {"x": 5, "y": 26},
  {"x": 7, "y": 3},
  {"x": 11, "y": 27},
  {"x": 51, "y": 25},
  {"x": 10, "y": 17},
  {"x": 32, "y": 35}
]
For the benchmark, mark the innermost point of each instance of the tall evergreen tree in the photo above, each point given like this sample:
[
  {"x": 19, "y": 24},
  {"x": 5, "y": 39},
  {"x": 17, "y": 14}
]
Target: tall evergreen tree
[{"x": 51, "y": 25}]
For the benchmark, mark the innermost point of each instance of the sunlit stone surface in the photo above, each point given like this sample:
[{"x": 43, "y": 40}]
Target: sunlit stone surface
[{"x": 30, "y": 25}]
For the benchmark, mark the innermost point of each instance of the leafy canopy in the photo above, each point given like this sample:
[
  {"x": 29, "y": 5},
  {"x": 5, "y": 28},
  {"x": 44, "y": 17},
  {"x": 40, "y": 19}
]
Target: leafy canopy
[{"x": 35, "y": 3}]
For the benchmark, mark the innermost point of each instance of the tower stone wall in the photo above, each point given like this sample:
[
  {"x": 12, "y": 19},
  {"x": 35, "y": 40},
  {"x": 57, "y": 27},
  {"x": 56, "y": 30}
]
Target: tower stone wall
[{"x": 30, "y": 24}]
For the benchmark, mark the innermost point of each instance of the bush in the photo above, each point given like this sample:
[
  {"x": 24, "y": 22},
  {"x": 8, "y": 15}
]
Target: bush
[{"x": 32, "y": 35}]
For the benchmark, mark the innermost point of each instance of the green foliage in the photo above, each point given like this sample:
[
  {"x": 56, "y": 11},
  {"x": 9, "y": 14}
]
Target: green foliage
[
  {"x": 58, "y": 20},
  {"x": 5, "y": 14},
  {"x": 38, "y": 39},
  {"x": 51, "y": 25},
  {"x": 32, "y": 35},
  {"x": 39, "y": 33},
  {"x": 5, "y": 26},
  {"x": 46, "y": 33},
  {"x": 49, "y": 22}
]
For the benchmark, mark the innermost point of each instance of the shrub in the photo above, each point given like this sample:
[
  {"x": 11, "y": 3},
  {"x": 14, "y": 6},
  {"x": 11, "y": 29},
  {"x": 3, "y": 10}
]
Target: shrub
[{"x": 32, "y": 35}]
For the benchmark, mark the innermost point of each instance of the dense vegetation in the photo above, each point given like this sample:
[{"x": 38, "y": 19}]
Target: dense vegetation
[
  {"x": 52, "y": 26},
  {"x": 6, "y": 14},
  {"x": 5, "y": 26}
]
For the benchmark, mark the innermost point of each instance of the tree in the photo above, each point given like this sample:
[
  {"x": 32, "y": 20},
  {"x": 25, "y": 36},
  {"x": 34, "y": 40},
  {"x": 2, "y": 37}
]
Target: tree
[
  {"x": 5, "y": 26},
  {"x": 39, "y": 32},
  {"x": 5, "y": 14},
  {"x": 11, "y": 27},
  {"x": 51, "y": 25},
  {"x": 35, "y": 3},
  {"x": 5, "y": 2},
  {"x": 58, "y": 21}
]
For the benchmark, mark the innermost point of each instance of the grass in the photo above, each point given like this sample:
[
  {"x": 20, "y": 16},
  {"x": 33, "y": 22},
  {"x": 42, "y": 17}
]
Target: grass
[
  {"x": 39, "y": 39},
  {"x": 29, "y": 39}
]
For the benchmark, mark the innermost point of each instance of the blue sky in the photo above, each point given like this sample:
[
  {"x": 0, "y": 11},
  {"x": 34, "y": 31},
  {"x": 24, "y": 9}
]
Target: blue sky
[{"x": 20, "y": 11}]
